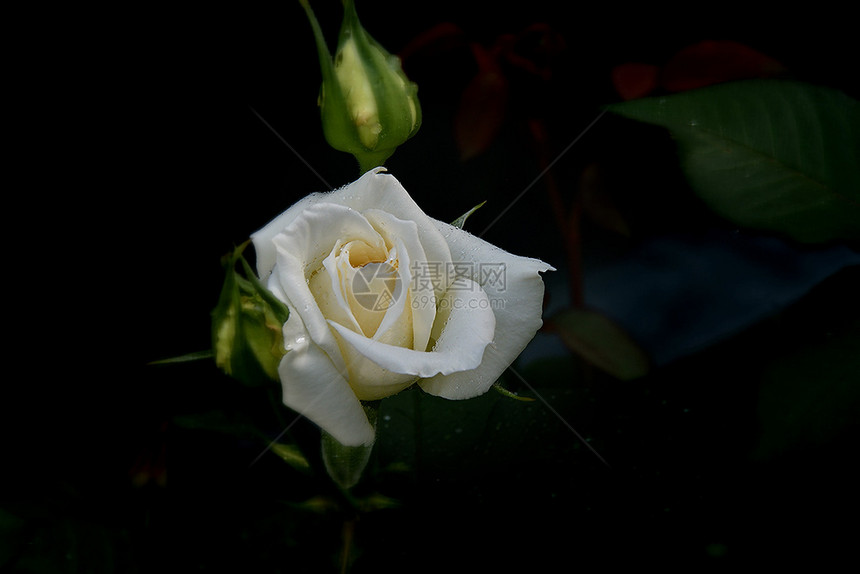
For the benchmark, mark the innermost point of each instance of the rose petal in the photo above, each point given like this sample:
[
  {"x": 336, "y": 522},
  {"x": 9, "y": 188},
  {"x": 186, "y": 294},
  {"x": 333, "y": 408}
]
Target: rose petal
[
  {"x": 328, "y": 290},
  {"x": 316, "y": 389},
  {"x": 468, "y": 329},
  {"x": 413, "y": 259},
  {"x": 351, "y": 312},
  {"x": 369, "y": 381},
  {"x": 397, "y": 316},
  {"x": 518, "y": 304},
  {"x": 373, "y": 190},
  {"x": 301, "y": 249},
  {"x": 380, "y": 191}
]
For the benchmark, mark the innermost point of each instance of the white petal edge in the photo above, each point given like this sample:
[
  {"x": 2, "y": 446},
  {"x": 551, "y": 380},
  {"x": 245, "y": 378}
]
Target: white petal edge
[
  {"x": 373, "y": 190},
  {"x": 518, "y": 307}
]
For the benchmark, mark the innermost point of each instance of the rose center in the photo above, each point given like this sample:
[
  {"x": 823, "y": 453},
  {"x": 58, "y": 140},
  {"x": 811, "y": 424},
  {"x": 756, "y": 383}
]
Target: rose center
[{"x": 361, "y": 254}]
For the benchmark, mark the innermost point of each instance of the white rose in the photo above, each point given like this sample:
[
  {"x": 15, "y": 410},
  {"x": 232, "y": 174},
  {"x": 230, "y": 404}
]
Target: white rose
[{"x": 381, "y": 297}]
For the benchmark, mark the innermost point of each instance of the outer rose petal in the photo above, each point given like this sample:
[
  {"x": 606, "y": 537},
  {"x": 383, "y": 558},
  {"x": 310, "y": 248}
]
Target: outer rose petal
[
  {"x": 314, "y": 387},
  {"x": 313, "y": 372},
  {"x": 518, "y": 306}
]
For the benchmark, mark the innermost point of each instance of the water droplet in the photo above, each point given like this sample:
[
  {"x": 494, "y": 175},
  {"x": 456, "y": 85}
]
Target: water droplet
[{"x": 300, "y": 340}]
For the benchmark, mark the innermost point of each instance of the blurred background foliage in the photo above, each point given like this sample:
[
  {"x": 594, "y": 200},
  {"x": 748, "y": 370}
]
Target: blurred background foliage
[{"x": 713, "y": 367}]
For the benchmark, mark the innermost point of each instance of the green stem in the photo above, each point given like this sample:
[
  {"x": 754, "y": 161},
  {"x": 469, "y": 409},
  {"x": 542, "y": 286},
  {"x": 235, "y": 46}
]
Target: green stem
[
  {"x": 370, "y": 159},
  {"x": 347, "y": 533}
]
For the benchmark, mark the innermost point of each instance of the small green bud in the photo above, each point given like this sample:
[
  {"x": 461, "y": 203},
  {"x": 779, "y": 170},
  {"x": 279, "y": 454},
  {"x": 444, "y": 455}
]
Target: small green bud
[
  {"x": 367, "y": 104},
  {"x": 247, "y": 325}
]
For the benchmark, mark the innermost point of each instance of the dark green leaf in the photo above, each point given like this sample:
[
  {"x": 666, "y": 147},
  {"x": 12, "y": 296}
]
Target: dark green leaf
[
  {"x": 602, "y": 343},
  {"x": 432, "y": 436},
  {"x": 292, "y": 455},
  {"x": 772, "y": 155}
]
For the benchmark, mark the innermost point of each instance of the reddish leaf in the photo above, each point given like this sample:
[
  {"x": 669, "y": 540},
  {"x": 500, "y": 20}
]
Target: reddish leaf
[
  {"x": 712, "y": 62},
  {"x": 534, "y": 50},
  {"x": 482, "y": 106},
  {"x": 634, "y": 80},
  {"x": 441, "y": 38}
]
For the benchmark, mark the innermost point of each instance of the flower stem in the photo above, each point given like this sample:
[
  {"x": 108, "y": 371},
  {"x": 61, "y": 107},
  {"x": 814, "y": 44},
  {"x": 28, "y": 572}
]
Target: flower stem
[{"x": 347, "y": 534}]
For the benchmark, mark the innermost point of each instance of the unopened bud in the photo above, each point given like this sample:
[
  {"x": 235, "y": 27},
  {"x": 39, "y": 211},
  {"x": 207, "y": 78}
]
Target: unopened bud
[
  {"x": 247, "y": 325},
  {"x": 367, "y": 104}
]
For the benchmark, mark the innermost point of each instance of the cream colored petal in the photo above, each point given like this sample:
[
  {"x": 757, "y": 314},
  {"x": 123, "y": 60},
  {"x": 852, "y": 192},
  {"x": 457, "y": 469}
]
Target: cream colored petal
[
  {"x": 468, "y": 329},
  {"x": 515, "y": 290},
  {"x": 325, "y": 285},
  {"x": 373, "y": 291},
  {"x": 412, "y": 265},
  {"x": 390, "y": 326},
  {"x": 368, "y": 380},
  {"x": 397, "y": 315}
]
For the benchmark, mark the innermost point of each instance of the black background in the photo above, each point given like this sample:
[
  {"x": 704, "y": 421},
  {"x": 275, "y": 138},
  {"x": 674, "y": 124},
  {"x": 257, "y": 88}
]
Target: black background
[{"x": 145, "y": 162}]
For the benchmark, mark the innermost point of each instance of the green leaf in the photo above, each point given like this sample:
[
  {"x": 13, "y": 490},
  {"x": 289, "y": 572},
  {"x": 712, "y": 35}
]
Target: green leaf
[
  {"x": 461, "y": 221},
  {"x": 292, "y": 455},
  {"x": 602, "y": 343},
  {"x": 498, "y": 387},
  {"x": 433, "y": 437},
  {"x": 772, "y": 155}
]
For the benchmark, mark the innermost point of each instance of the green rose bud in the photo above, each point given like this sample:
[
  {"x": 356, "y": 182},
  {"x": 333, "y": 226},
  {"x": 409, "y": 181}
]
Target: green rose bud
[
  {"x": 367, "y": 104},
  {"x": 247, "y": 325}
]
